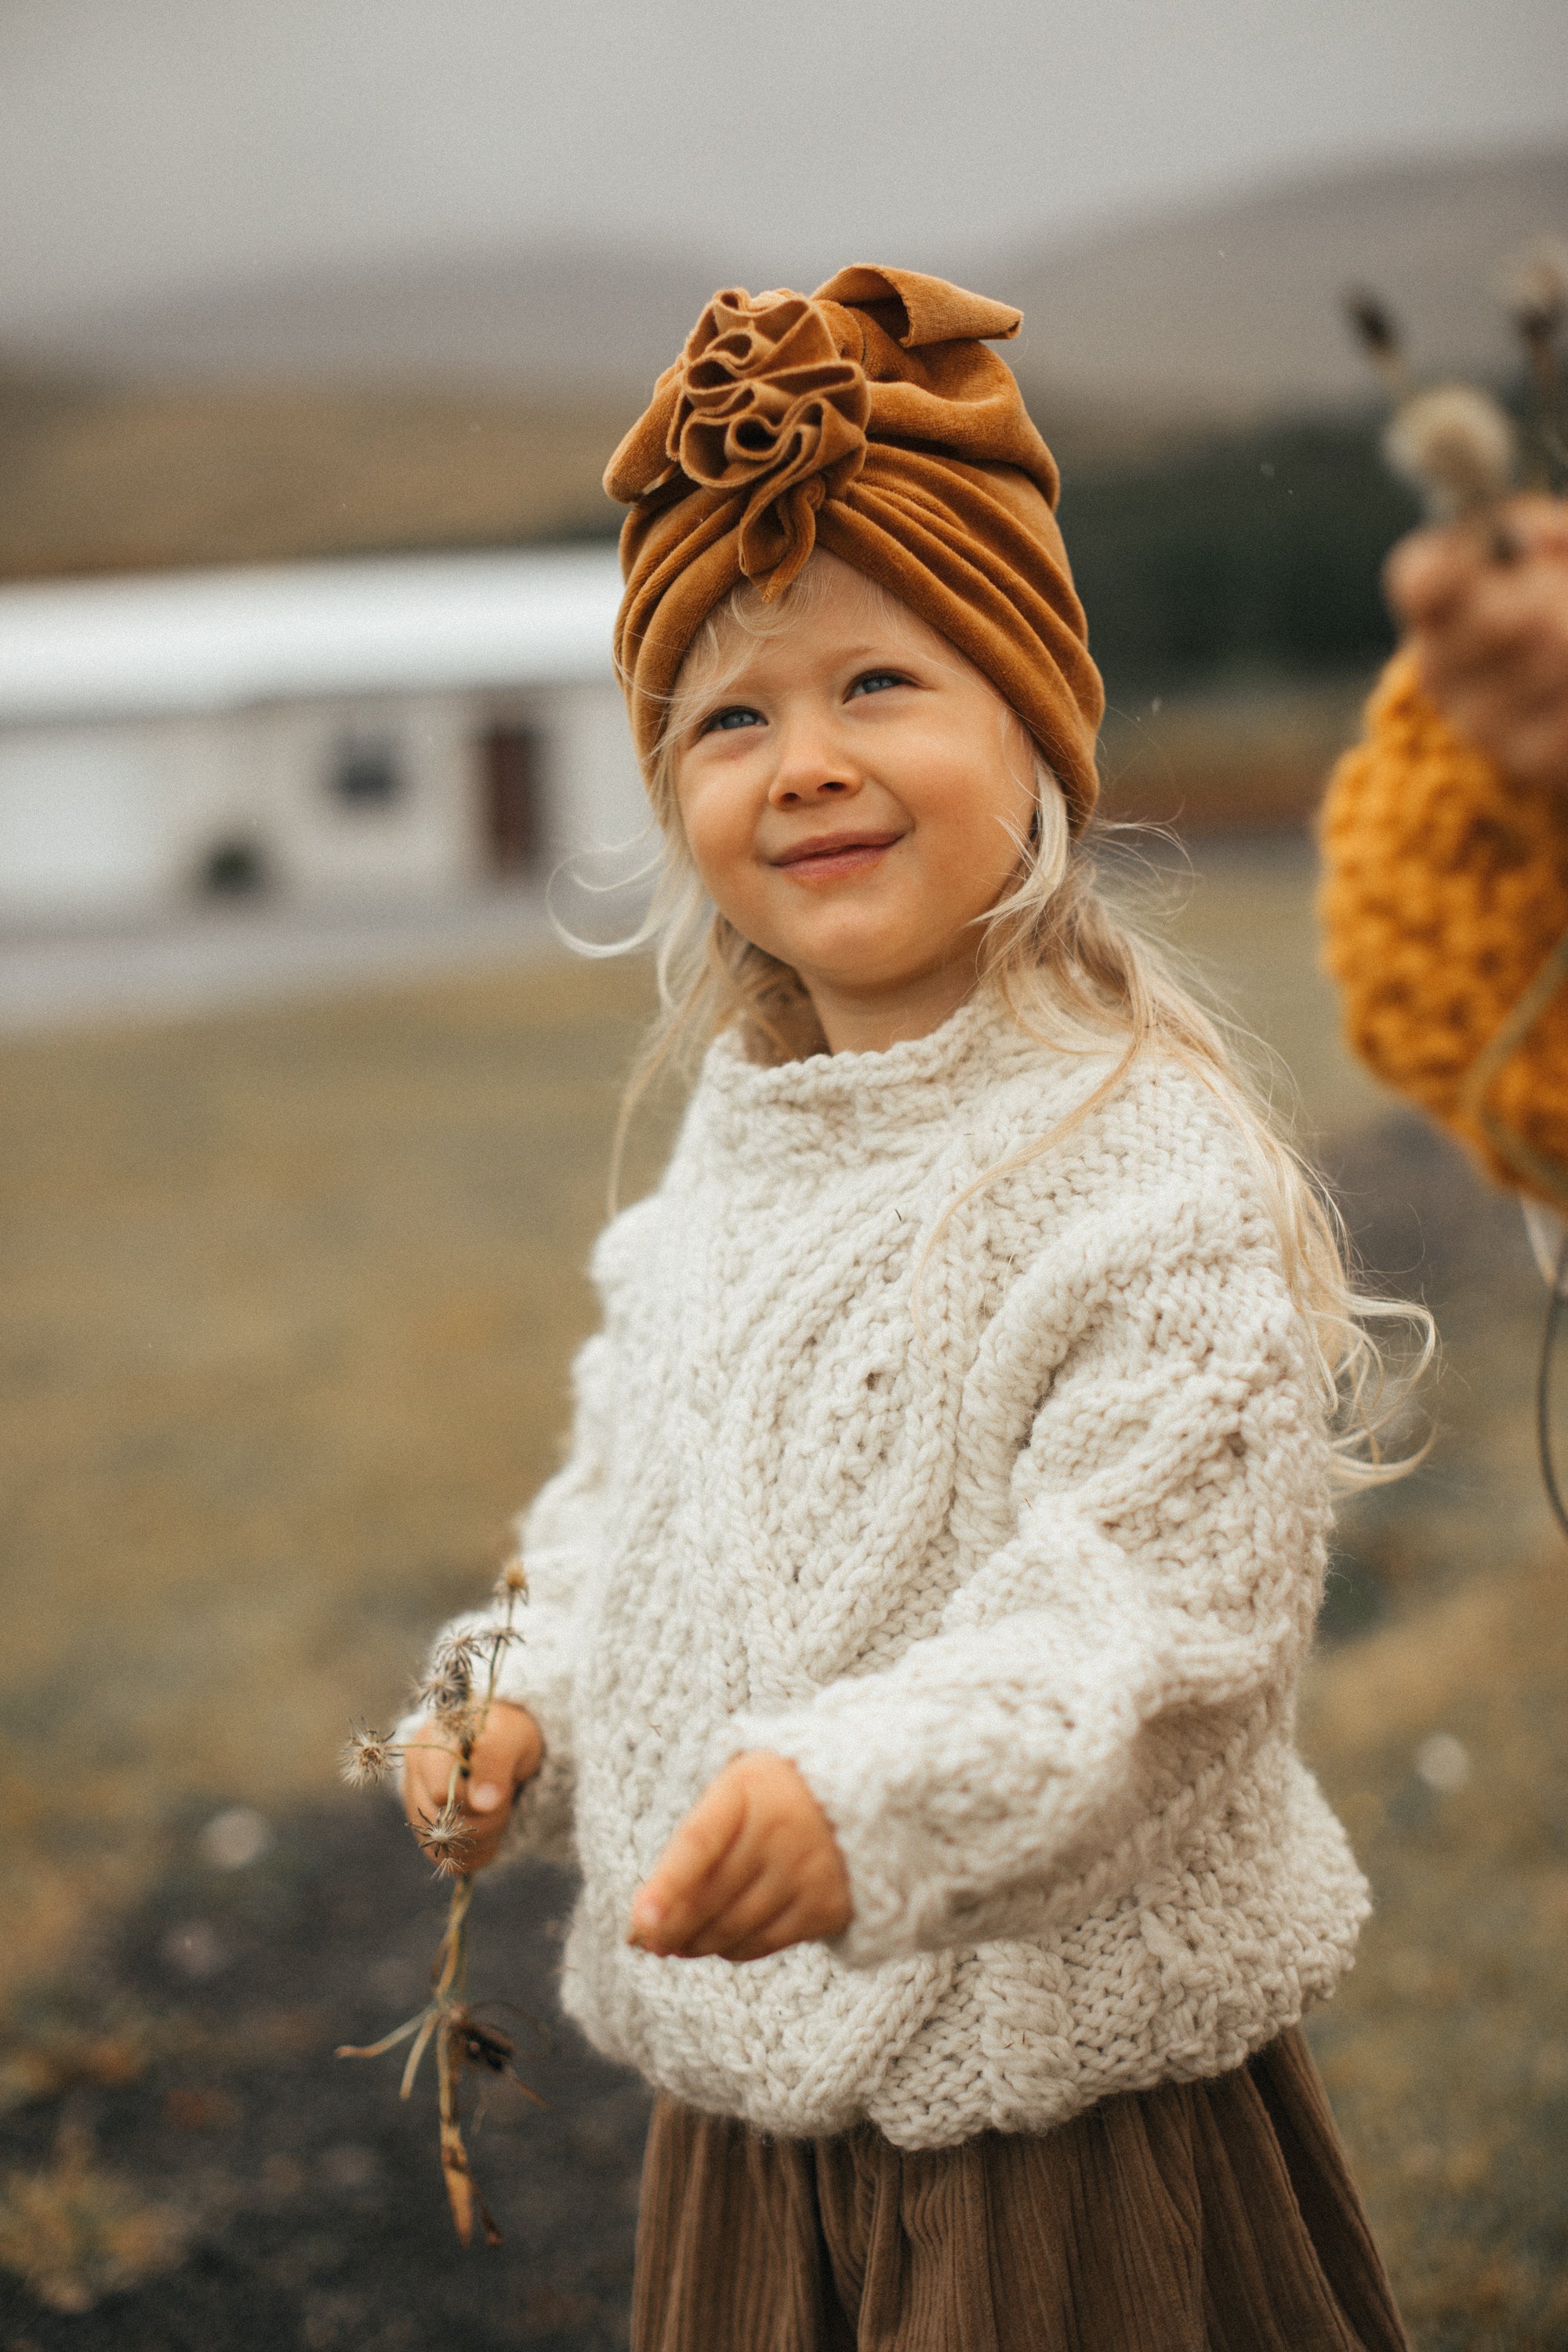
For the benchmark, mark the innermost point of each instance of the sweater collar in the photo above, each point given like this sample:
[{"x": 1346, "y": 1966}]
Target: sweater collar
[{"x": 874, "y": 1099}]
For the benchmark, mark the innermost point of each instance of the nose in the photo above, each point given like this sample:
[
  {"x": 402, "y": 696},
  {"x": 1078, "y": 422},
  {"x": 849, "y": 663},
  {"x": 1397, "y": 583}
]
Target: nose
[{"x": 812, "y": 766}]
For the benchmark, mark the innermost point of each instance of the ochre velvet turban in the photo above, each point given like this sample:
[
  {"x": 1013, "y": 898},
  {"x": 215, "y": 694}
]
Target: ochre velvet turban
[{"x": 867, "y": 418}]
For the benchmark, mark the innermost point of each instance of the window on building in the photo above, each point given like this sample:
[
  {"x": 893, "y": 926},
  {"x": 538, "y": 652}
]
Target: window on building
[
  {"x": 509, "y": 774},
  {"x": 367, "y": 775},
  {"x": 234, "y": 868}
]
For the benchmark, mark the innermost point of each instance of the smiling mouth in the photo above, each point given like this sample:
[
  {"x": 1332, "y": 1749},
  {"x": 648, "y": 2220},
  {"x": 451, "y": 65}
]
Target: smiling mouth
[{"x": 834, "y": 854}]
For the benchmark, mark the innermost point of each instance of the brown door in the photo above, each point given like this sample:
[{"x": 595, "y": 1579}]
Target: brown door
[{"x": 510, "y": 782}]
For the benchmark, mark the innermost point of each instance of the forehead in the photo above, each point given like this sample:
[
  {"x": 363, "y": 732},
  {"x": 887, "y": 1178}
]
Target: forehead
[{"x": 831, "y": 613}]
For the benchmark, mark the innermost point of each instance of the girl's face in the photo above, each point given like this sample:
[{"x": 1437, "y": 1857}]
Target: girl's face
[{"x": 854, "y": 799}]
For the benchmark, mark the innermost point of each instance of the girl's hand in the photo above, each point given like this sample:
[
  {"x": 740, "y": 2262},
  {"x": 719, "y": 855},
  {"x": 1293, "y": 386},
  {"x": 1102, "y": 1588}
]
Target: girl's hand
[
  {"x": 509, "y": 1751},
  {"x": 752, "y": 1867}
]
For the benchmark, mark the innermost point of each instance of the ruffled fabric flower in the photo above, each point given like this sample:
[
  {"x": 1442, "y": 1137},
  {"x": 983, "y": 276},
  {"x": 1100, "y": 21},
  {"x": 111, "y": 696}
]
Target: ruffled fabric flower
[{"x": 763, "y": 405}]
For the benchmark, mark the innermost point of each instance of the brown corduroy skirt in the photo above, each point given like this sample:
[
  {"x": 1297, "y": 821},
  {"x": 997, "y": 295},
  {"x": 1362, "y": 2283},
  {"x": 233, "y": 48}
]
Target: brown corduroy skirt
[{"x": 1201, "y": 2217}]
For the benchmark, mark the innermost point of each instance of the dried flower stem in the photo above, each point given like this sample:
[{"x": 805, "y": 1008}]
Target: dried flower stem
[
  {"x": 1377, "y": 332},
  {"x": 1534, "y": 287},
  {"x": 1452, "y": 442},
  {"x": 460, "y": 2039}
]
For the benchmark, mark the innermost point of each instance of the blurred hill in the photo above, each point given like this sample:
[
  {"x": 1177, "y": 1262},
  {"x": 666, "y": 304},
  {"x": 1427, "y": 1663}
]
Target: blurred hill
[
  {"x": 1225, "y": 502},
  {"x": 1229, "y": 312},
  {"x": 1195, "y": 317}
]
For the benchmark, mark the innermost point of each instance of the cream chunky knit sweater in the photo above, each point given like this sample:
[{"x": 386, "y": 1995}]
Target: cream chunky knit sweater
[{"x": 1022, "y": 1591}]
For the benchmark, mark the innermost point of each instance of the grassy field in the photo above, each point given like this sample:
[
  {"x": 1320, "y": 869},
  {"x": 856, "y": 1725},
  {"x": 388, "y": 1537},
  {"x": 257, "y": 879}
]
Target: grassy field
[
  {"x": 287, "y": 1303},
  {"x": 106, "y": 478}
]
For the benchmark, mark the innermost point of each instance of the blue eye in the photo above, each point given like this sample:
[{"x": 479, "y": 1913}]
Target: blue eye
[
  {"x": 872, "y": 681},
  {"x": 734, "y": 714}
]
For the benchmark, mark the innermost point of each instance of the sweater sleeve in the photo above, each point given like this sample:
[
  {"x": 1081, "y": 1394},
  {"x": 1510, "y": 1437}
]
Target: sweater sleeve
[
  {"x": 559, "y": 1539},
  {"x": 1096, "y": 1680}
]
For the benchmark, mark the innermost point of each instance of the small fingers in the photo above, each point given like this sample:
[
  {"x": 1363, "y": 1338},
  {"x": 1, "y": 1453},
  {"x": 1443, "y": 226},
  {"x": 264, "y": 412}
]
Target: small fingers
[
  {"x": 794, "y": 1925},
  {"x": 685, "y": 1887},
  {"x": 427, "y": 1771},
  {"x": 668, "y": 1917},
  {"x": 1538, "y": 526},
  {"x": 508, "y": 1751},
  {"x": 761, "y": 1899},
  {"x": 1428, "y": 576}
]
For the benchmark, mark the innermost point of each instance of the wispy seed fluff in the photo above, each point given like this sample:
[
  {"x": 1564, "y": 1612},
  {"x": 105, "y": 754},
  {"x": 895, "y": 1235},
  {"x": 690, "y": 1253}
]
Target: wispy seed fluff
[
  {"x": 367, "y": 1757},
  {"x": 1534, "y": 284},
  {"x": 1455, "y": 446},
  {"x": 446, "y": 1839}
]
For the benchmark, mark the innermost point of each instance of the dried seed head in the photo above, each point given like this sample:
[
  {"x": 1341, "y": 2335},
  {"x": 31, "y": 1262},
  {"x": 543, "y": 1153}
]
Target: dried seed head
[
  {"x": 1533, "y": 283},
  {"x": 1453, "y": 444},
  {"x": 445, "y": 1838},
  {"x": 457, "y": 1656},
  {"x": 1377, "y": 333},
  {"x": 447, "y": 1689},
  {"x": 512, "y": 1581},
  {"x": 367, "y": 1757},
  {"x": 483, "y": 2045},
  {"x": 1372, "y": 323}
]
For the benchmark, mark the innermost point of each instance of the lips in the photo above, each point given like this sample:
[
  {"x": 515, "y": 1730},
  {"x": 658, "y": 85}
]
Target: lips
[{"x": 835, "y": 853}]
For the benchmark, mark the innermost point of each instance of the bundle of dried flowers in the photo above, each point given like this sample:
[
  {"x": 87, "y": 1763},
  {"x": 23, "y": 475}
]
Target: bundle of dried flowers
[
  {"x": 1455, "y": 443},
  {"x": 456, "y": 1697},
  {"x": 1534, "y": 284}
]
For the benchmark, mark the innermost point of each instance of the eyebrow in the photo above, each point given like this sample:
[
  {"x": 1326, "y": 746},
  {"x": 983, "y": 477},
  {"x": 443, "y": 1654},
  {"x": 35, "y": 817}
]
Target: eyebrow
[{"x": 852, "y": 654}]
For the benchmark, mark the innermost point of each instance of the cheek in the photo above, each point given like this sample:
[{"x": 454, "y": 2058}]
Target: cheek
[
  {"x": 718, "y": 825},
  {"x": 972, "y": 828}
]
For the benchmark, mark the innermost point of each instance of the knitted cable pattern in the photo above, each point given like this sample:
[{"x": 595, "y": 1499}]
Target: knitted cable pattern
[
  {"x": 1023, "y": 1593},
  {"x": 1445, "y": 890}
]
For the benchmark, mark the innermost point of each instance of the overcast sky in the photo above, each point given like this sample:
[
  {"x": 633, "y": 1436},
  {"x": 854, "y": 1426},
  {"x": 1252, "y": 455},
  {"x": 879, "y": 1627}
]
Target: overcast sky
[{"x": 148, "y": 146}]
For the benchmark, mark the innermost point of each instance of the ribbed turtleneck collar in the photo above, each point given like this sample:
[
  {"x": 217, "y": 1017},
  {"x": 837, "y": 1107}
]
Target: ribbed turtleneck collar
[{"x": 871, "y": 1099}]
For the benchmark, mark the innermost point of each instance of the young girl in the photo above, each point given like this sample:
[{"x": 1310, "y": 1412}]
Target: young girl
[{"x": 911, "y": 1659}]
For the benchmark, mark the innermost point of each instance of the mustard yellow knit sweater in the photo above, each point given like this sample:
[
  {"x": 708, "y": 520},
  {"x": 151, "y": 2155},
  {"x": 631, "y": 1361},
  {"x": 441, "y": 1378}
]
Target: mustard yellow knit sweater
[{"x": 1445, "y": 892}]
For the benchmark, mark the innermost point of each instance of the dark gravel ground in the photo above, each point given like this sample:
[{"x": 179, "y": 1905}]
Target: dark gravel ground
[{"x": 309, "y": 2197}]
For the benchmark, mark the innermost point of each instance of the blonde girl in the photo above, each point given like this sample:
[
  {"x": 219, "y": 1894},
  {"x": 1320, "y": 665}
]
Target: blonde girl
[{"x": 915, "y": 1624}]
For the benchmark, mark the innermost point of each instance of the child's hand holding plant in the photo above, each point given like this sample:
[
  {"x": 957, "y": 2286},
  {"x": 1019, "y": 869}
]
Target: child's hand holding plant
[
  {"x": 472, "y": 1753},
  {"x": 506, "y": 1752}
]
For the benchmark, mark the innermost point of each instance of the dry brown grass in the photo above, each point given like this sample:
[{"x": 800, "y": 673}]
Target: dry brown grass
[
  {"x": 113, "y": 481},
  {"x": 287, "y": 1301},
  {"x": 75, "y": 2231}
]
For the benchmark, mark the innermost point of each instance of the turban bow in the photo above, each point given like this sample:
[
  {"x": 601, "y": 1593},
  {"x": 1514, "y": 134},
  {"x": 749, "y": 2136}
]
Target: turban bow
[{"x": 870, "y": 419}]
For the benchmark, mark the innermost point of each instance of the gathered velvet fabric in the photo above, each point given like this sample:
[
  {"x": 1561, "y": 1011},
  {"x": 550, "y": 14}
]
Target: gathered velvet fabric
[{"x": 870, "y": 419}]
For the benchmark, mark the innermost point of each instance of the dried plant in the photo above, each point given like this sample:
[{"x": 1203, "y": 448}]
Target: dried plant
[
  {"x": 456, "y": 1696},
  {"x": 1455, "y": 445},
  {"x": 1534, "y": 284},
  {"x": 1377, "y": 332},
  {"x": 1452, "y": 442}
]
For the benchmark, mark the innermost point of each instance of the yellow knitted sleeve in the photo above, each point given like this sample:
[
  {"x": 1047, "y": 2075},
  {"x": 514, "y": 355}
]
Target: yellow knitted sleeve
[{"x": 1443, "y": 902}]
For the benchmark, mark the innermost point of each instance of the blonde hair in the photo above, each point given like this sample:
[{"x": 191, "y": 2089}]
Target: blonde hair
[{"x": 1073, "y": 973}]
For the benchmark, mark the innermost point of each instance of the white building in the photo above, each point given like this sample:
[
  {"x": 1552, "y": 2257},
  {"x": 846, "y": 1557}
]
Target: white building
[{"x": 373, "y": 731}]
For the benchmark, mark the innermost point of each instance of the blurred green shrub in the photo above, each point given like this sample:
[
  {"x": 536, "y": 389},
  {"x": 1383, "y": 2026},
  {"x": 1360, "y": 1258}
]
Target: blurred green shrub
[{"x": 1256, "y": 549}]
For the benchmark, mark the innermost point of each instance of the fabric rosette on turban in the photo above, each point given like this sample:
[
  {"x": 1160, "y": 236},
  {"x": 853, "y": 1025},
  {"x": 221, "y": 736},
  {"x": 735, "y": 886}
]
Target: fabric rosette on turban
[{"x": 870, "y": 419}]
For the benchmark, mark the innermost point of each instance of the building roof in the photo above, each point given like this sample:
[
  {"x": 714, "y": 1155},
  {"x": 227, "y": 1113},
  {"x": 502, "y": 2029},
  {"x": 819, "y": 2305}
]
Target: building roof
[{"x": 154, "y": 645}]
